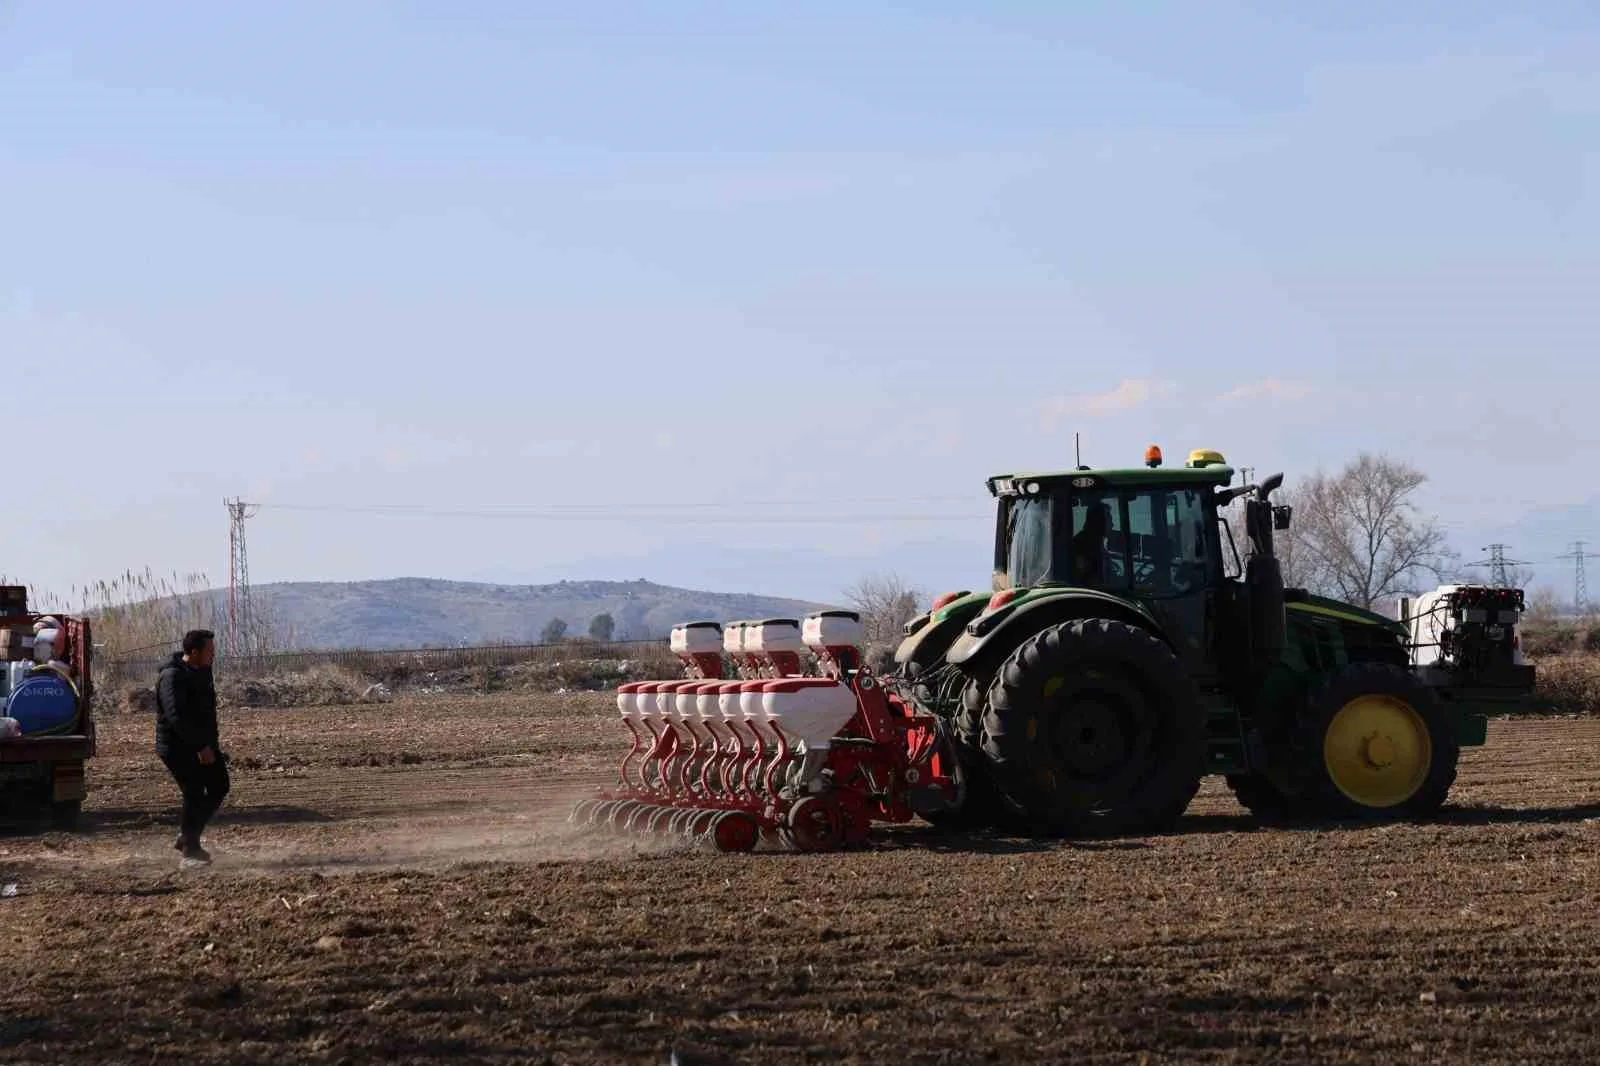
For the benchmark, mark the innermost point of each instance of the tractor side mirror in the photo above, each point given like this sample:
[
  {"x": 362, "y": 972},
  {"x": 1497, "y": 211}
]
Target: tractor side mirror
[{"x": 1282, "y": 515}]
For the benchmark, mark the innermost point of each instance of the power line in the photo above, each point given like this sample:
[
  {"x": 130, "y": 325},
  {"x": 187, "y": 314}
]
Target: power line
[
  {"x": 607, "y": 505},
  {"x": 620, "y": 514}
]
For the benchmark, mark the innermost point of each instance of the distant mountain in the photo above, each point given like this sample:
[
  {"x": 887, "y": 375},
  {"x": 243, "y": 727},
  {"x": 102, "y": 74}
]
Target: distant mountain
[
  {"x": 931, "y": 565},
  {"x": 418, "y": 612}
]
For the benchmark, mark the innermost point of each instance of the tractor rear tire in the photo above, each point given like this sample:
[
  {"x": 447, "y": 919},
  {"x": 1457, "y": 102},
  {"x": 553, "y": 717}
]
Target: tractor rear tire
[
  {"x": 1375, "y": 743},
  {"x": 1094, "y": 728}
]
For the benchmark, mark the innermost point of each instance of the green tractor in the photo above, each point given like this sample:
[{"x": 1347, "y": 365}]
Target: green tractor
[{"x": 1124, "y": 653}]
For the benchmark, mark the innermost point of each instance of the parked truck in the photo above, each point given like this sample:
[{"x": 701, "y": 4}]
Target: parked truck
[{"x": 47, "y": 729}]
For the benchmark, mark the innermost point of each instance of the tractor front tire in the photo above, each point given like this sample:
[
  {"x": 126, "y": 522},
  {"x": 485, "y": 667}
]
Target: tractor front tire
[
  {"x": 1374, "y": 743},
  {"x": 1093, "y": 728}
]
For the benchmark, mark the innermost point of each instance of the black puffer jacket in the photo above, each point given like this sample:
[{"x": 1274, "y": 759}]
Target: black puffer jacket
[{"x": 186, "y": 708}]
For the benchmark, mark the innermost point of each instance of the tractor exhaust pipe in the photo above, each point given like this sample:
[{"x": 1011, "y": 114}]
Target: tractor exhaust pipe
[{"x": 1263, "y": 576}]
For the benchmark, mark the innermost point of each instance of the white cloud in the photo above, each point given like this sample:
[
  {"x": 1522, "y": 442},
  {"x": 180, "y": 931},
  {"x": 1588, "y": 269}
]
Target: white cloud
[
  {"x": 1270, "y": 389},
  {"x": 1129, "y": 395}
]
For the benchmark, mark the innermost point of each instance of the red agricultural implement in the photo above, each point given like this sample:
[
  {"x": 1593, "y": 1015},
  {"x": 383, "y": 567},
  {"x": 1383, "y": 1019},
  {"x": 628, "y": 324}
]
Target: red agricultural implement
[{"x": 749, "y": 747}]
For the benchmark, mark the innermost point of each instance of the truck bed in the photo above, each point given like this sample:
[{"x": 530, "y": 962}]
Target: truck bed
[{"x": 46, "y": 749}]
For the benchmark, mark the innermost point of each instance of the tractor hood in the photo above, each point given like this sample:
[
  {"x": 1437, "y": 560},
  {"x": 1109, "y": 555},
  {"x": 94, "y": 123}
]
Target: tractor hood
[{"x": 1307, "y": 603}]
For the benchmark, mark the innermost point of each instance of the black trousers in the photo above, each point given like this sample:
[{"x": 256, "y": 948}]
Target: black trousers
[{"x": 203, "y": 788}]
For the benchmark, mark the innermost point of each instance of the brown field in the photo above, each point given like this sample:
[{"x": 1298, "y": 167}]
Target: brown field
[{"x": 397, "y": 881}]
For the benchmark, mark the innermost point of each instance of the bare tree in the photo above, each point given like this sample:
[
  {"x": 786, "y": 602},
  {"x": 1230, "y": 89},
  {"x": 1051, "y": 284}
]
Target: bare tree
[
  {"x": 886, "y": 602},
  {"x": 1519, "y": 577},
  {"x": 1544, "y": 608},
  {"x": 1359, "y": 536}
]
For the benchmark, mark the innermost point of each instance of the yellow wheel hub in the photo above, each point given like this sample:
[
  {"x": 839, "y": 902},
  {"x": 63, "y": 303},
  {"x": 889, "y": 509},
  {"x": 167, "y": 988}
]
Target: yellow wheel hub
[{"x": 1377, "y": 750}]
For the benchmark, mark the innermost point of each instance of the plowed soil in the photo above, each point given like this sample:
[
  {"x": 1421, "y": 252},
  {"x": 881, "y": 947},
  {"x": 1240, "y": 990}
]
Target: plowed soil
[{"x": 398, "y": 882}]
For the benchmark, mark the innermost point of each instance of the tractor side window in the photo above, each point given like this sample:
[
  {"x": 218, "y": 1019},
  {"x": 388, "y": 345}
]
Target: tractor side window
[
  {"x": 1167, "y": 536},
  {"x": 1192, "y": 562},
  {"x": 1231, "y": 566},
  {"x": 1028, "y": 541},
  {"x": 1099, "y": 541}
]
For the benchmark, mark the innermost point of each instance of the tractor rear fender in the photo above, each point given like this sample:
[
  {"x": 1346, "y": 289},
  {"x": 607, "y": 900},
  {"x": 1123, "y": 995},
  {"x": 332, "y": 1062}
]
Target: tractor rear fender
[
  {"x": 1016, "y": 622},
  {"x": 929, "y": 635}
]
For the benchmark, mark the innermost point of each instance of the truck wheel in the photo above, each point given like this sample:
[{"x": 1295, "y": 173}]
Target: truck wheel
[
  {"x": 1094, "y": 728},
  {"x": 1374, "y": 742}
]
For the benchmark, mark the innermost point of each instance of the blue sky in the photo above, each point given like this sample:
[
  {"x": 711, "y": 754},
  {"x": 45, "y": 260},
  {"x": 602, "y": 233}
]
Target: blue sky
[{"x": 698, "y": 260}]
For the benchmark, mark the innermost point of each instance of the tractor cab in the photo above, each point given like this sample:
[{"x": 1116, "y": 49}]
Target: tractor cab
[
  {"x": 1146, "y": 533},
  {"x": 1145, "y": 544}
]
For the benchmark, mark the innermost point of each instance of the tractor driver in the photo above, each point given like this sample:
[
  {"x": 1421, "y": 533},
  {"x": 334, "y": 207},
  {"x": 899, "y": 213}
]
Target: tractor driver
[{"x": 1089, "y": 546}]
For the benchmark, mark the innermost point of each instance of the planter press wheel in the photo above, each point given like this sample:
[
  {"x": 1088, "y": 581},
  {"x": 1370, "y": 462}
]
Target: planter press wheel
[{"x": 735, "y": 831}]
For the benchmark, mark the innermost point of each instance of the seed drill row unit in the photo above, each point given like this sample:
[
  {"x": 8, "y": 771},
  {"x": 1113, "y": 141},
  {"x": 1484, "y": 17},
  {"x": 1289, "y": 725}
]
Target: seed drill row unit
[{"x": 770, "y": 754}]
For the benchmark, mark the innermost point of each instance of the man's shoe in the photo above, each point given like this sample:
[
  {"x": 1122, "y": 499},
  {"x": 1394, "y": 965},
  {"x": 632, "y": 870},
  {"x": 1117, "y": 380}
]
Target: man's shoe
[{"x": 194, "y": 854}]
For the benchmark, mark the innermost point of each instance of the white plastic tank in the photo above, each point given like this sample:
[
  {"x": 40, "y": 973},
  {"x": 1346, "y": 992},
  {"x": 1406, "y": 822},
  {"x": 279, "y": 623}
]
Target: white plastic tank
[
  {"x": 15, "y": 674},
  {"x": 775, "y": 635},
  {"x": 833, "y": 629},
  {"x": 44, "y": 642},
  {"x": 1427, "y": 622},
  {"x": 696, "y": 638},
  {"x": 811, "y": 710}
]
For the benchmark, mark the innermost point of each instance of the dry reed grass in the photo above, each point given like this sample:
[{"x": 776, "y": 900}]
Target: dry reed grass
[{"x": 141, "y": 612}]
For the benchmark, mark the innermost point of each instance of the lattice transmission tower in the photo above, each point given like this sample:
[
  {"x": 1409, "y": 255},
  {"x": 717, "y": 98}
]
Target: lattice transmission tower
[
  {"x": 1580, "y": 581},
  {"x": 1499, "y": 566},
  {"x": 241, "y": 616}
]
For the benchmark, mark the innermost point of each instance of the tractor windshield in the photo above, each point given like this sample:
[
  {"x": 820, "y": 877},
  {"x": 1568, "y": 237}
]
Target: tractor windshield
[{"x": 1027, "y": 543}]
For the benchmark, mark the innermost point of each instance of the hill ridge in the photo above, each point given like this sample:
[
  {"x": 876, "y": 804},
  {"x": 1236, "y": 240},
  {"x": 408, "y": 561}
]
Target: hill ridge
[{"x": 411, "y": 611}]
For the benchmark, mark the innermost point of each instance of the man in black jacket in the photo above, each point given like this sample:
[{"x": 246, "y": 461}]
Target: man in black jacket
[{"x": 186, "y": 737}]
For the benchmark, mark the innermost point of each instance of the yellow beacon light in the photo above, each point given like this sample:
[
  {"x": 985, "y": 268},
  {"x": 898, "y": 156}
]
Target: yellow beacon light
[{"x": 1206, "y": 457}]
